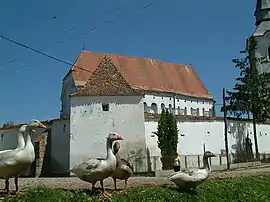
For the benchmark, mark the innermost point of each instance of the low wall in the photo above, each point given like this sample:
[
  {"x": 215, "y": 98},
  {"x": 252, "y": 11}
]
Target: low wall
[{"x": 166, "y": 173}]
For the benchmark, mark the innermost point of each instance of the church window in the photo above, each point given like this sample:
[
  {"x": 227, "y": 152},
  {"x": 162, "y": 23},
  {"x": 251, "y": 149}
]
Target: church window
[{"x": 105, "y": 107}]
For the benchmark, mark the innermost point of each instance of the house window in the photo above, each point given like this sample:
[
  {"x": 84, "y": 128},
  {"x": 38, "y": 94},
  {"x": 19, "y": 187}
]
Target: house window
[
  {"x": 269, "y": 52},
  {"x": 185, "y": 112},
  {"x": 162, "y": 107},
  {"x": 64, "y": 128},
  {"x": 145, "y": 107},
  {"x": 198, "y": 112},
  {"x": 154, "y": 108},
  {"x": 105, "y": 107},
  {"x": 170, "y": 108},
  {"x": 203, "y": 111},
  {"x": 2, "y": 137},
  {"x": 194, "y": 112}
]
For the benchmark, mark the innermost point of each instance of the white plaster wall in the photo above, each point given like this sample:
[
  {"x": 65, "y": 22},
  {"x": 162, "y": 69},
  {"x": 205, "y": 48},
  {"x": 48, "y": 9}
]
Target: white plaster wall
[
  {"x": 60, "y": 143},
  {"x": 68, "y": 87},
  {"x": 210, "y": 133},
  {"x": 90, "y": 125},
  {"x": 181, "y": 102},
  {"x": 8, "y": 138}
]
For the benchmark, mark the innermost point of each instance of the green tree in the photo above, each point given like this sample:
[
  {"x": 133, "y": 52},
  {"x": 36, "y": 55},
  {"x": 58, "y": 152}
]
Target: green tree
[
  {"x": 167, "y": 133},
  {"x": 250, "y": 94}
]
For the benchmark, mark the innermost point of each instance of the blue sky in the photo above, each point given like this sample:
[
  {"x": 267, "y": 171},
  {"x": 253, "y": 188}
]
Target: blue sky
[{"x": 206, "y": 34}]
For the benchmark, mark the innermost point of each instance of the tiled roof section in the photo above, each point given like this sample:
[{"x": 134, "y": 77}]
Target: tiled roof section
[
  {"x": 144, "y": 74},
  {"x": 106, "y": 81}
]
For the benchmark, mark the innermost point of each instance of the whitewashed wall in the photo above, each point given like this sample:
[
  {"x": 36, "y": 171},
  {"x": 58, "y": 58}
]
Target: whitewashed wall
[
  {"x": 60, "y": 143},
  {"x": 90, "y": 125},
  {"x": 180, "y": 102},
  {"x": 194, "y": 134},
  {"x": 68, "y": 87}
]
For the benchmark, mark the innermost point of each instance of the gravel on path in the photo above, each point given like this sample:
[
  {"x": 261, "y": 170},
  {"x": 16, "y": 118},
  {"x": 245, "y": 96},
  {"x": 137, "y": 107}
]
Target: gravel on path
[{"x": 75, "y": 183}]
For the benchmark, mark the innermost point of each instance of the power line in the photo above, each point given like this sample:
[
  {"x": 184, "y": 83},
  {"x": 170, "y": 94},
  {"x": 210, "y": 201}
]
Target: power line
[
  {"x": 53, "y": 57},
  {"x": 40, "y": 52}
]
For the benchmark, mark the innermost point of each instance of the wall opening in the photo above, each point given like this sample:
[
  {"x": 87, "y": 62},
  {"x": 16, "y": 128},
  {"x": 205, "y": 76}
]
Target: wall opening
[
  {"x": 105, "y": 107},
  {"x": 154, "y": 108},
  {"x": 145, "y": 107},
  {"x": 162, "y": 107},
  {"x": 170, "y": 108}
]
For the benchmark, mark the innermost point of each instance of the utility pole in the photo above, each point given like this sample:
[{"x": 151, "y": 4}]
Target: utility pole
[{"x": 225, "y": 128}]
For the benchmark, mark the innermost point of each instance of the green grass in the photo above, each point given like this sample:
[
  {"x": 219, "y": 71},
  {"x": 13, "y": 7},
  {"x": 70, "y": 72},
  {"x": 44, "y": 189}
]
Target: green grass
[{"x": 248, "y": 189}]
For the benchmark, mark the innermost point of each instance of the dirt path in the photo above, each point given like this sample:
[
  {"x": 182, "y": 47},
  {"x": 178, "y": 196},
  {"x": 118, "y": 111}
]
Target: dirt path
[{"x": 75, "y": 183}]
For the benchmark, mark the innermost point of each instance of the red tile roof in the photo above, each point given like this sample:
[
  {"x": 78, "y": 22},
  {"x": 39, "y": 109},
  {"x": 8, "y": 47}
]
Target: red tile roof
[
  {"x": 106, "y": 81},
  {"x": 144, "y": 74}
]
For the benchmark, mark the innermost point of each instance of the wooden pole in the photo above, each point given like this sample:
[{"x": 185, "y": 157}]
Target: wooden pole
[{"x": 225, "y": 129}]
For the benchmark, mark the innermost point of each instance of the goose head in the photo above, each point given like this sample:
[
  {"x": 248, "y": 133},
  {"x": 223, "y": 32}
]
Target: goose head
[
  {"x": 114, "y": 137},
  {"x": 116, "y": 147},
  {"x": 208, "y": 154},
  {"x": 34, "y": 124}
]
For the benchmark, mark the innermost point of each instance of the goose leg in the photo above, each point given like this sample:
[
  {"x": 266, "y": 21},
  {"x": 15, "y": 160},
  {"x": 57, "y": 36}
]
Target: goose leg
[
  {"x": 16, "y": 184},
  {"x": 125, "y": 183},
  {"x": 7, "y": 186},
  {"x": 114, "y": 181},
  {"x": 103, "y": 190}
]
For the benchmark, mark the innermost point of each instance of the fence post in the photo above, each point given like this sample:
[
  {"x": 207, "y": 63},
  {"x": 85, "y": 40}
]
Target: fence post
[
  {"x": 199, "y": 163},
  {"x": 185, "y": 161}
]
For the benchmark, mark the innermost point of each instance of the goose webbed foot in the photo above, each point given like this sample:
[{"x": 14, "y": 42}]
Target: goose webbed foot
[{"x": 106, "y": 195}]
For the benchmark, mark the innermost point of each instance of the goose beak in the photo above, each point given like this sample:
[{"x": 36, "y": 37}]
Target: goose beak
[
  {"x": 41, "y": 126},
  {"x": 118, "y": 137}
]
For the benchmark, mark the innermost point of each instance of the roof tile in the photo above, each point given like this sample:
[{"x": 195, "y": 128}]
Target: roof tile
[
  {"x": 145, "y": 74},
  {"x": 106, "y": 81}
]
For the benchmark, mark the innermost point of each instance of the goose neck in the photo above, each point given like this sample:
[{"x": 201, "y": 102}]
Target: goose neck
[
  {"x": 206, "y": 163},
  {"x": 21, "y": 142},
  {"x": 109, "y": 148}
]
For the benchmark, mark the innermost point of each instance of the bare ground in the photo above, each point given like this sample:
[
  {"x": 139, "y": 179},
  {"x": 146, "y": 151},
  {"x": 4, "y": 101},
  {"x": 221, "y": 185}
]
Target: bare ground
[{"x": 75, "y": 183}]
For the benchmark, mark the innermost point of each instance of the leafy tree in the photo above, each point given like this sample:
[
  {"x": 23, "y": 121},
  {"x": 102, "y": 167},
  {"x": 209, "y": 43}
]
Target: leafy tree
[
  {"x": 8, "y": 123},
  {"x": 250, "y": 94},
  {"x": 167, "y": 133},
  {"x": 251, "y": 91}
]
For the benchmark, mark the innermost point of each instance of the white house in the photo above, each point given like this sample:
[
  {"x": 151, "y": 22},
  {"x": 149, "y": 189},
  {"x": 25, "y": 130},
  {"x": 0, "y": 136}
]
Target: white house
[
  {"x": 173, "y": 86},
  {"x": 108, "y": 92}
]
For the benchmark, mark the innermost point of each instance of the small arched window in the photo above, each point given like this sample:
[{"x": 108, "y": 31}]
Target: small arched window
[
  {"x": 162, "y": 107},
  {"x": 268, "y": 52},
  {"x": 154, "y": 108},
  {"x": 145, "y": 107}
]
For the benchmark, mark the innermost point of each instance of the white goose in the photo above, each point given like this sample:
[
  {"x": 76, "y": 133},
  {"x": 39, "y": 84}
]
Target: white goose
[
  {"x": 98, "y": 169},
  {"x": 15, "y": 162},
  {"x": 20, "y": 145},
  {"x": 191, "y": 178},
  {"x": 123, "y": 169}
]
